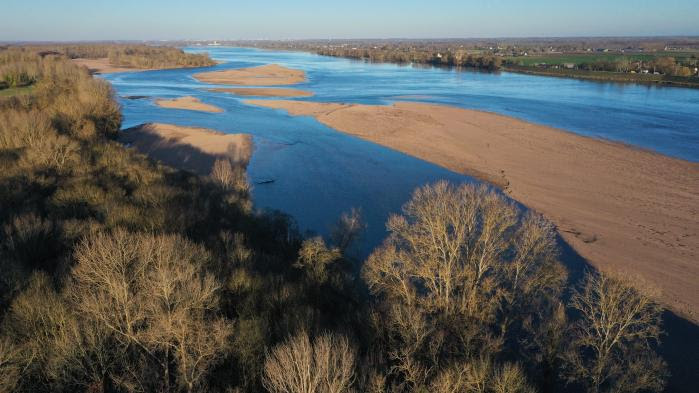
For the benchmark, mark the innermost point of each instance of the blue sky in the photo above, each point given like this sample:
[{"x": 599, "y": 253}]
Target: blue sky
[{"x": 274, "y": 19}]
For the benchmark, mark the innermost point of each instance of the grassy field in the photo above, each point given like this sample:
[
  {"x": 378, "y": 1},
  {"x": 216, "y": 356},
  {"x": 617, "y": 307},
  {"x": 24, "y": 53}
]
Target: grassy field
[
  {"x": 593, "y": 57},
  {"x": 605, "y": 76},
  {"x": 14, "y": 91}
]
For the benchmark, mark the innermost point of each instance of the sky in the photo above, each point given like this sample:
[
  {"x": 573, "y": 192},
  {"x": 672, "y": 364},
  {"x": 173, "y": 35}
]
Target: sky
[{"x": 55, "y": 20}]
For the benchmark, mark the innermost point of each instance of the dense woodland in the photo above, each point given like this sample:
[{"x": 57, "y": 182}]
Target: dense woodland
[{"x": 122, "y": 275}]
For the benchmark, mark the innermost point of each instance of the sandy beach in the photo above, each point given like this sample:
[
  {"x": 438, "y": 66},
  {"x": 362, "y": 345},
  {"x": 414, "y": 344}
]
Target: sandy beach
[
  {"x": 189, "y": 148},
  {"x": 102, "y": 66},
  {"x": 189, "y": 103},
  {"x": 623, "y": 209},
  {"x": 264, "y": 92},
  {"x": 266, "y": 75}
]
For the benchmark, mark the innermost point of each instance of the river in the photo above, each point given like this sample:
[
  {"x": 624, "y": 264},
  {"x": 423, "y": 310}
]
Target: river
[{"x": 314, "y": 173}]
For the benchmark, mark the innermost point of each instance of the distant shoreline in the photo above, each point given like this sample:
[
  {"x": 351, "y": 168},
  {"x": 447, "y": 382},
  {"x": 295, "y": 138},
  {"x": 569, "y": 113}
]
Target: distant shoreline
[{"x": 622, "y": 208}]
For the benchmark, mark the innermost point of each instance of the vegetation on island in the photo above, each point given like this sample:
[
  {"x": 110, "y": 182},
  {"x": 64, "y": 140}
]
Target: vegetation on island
[{"x": 122, "y": 275}]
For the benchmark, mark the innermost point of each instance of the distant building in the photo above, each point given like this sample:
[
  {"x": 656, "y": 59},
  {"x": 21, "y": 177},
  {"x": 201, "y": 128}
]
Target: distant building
[{"x": 570, "y": 66}]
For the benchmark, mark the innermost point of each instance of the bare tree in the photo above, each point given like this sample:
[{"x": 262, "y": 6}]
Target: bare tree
[
  {"x": 612, "y": 345},
  {"x": 466, "y": 263},
  {"x": 325, "y": 365},
  {"x": 10, "y": 365},
  {"x": 348, "y": 229},
  {"x": 152, "y": 293},
  {"x": 509, "y": 378},
  {"x": 315, "y": 257}
]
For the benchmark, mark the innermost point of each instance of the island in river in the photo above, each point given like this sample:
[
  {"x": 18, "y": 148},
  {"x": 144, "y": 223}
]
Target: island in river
[
  {"x": 266, "y": 75},
  {"x": 190, "y": 148},
  {"x": 188, "y": 103},
  {"x": 622, "y": 208}
]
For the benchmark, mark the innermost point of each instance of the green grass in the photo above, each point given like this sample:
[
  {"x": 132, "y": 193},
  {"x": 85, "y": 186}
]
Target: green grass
[
  {"x": 15, "y": 91},
  {"x": 593, "y": 57}
]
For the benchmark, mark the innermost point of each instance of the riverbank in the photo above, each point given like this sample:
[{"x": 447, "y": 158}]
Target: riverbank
[
  {"x": 266, "y": 75},
  {"x": 190, "y": 148},
  {"x": 188, "y": 103},
  {"x": 603, "y": 76},
  {"x": 621, "y": 208}
]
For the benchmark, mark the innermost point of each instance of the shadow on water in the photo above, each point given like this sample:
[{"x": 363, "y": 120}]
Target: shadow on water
[{"x": 680, "y": 344}]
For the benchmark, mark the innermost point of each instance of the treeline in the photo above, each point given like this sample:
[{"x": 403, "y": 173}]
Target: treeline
[
  {"x": 447, "y": 57},
  {"x": 128, "y": 56},
  {"x": 120, "y": 275},
  {"x": 139, "y": 56}
]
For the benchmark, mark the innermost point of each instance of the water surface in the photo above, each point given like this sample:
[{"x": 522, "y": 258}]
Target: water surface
[{"x": 318, "y": 173}]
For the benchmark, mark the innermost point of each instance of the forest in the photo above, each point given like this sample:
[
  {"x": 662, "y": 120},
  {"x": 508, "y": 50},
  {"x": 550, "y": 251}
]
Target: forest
[{"x": 123, "y": 275}]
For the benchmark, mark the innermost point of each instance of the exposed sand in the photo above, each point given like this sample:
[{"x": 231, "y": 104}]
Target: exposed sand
[
  {"x": 189, "y": 103},
  {"x": 102, "y": 66},
  {"x": 264, "y": 92},
  {"x": 190, "y": 148},
  {"x": 623, "y": 209},
  {"x": 266, "y": 75}
]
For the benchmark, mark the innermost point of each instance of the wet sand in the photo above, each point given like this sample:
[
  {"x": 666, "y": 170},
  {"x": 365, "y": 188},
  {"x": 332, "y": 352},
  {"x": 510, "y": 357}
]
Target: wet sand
[
  {"x": 264, "y": 92},
  {"x": 266, "y": 75},
  {"x": 189, "y": 103},
  {"x": 102, "y": 66},
  {"x": 190, "y": 148},
  {"x": 623, "y": 209}
]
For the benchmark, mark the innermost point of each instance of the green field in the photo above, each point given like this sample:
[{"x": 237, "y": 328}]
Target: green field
[
  {"x": 14, "y": 91},
  {"x": 593, "y": 57}
]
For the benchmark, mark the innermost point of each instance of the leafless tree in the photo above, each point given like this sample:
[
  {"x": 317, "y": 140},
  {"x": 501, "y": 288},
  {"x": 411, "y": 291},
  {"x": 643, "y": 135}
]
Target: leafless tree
[
  {"x": 153, "y": 293},
  {"x": 612, "y": 345},
  {"x": 464, "y": 262},
  {"x": 314, "y": 258},
  {"x": 10, "y": 365},
  {"x": 348, "y": 229},
  {"x": 325, "y": 365}
]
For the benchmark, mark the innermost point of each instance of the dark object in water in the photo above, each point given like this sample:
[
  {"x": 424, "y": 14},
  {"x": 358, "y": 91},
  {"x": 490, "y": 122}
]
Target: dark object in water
[
  {"x": 264, "y": 181},
  {"x": 134, "y": 97}
]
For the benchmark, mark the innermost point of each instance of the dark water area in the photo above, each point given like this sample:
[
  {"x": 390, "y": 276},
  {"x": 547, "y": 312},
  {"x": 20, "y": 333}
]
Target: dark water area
[{"x": 314, "y": 173}]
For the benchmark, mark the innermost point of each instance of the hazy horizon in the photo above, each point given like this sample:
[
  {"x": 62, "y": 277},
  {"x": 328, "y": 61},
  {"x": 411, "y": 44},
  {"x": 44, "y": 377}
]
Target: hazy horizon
[{"x": 84, "y": 20}]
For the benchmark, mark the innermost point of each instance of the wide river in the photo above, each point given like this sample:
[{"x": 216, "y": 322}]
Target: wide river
[{"x": 319, "y": 173}]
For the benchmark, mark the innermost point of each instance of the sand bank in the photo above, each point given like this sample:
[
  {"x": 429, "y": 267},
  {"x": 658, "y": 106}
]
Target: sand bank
[
  {"x": 621, "y": 208},
  {"x": 266, "y": 75},
  {"x": 189, "y": 148},
  {"x": 189, "y": 103},
  {"x": 264, "y": 92},
  {"x": 102, "y": 66}
]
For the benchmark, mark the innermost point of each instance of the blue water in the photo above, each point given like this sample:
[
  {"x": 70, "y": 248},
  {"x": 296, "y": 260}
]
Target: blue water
[{"x": 318, "y": 173}]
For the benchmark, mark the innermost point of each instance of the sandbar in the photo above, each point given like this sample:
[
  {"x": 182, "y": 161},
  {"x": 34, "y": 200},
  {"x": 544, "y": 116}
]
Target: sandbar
[
  {"x": 264, "y": 92},
  {"x": 190, "y": 148},
  {"x": 188, "y": 103},
  {"x": 623, "y": 209},
  {"x": 266, "y": 75}
]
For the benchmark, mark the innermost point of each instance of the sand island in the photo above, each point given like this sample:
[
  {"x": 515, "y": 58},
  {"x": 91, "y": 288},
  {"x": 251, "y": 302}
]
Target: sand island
[
  {"x": 266, "y": 75},
  {"x": 188, "y": 103},
  {"x": 621, "y": 208},
  {"x": 264, "y": 92},
  {"x": 190, "y": 148}
]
